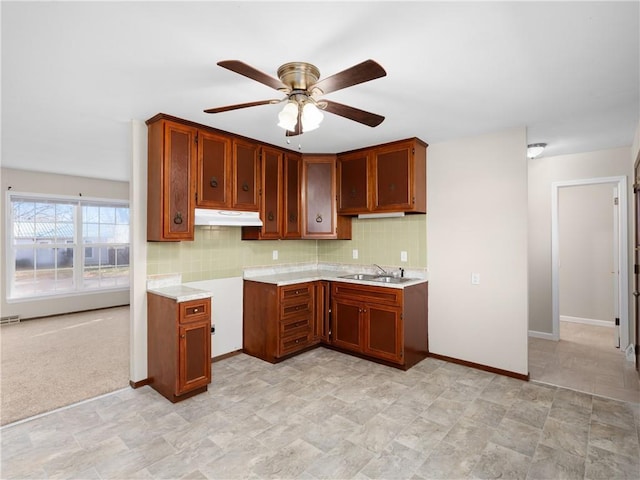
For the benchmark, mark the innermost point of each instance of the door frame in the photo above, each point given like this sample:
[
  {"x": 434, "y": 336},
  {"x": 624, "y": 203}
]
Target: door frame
[{"x": 623, "y": 286}]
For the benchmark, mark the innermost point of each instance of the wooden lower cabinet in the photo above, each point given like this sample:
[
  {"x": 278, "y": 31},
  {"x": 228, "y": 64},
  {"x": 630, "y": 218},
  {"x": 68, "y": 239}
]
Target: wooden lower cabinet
[
  {"x": 278, "y": 321},
  {"x": 385, "y": 324},
  {"x": 178, "y": 346},
  {"x": 381, "y": 323}
]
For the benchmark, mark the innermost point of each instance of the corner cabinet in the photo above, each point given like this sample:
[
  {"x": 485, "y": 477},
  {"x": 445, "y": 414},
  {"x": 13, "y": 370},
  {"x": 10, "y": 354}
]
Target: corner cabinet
[
  {"x": 278, "y": 321},
  {"x": 383, "y": 179},
  {"x": 271, "y": 202},
  {"x": 178, "y": 346},
  {"x": 171, "y": 174},
  {"x": 382, "y": 323},
  {"x": 320, "y": 219}
]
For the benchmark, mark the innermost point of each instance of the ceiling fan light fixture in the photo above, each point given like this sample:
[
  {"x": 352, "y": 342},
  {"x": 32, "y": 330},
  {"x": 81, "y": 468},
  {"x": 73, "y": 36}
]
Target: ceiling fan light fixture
[
  {"x": 288, "y": 117},
  {"x": 535, "y": 149},
  {"x": 311, "y": 117}
]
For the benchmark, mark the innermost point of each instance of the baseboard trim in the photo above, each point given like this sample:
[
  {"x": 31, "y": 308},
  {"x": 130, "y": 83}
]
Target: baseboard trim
[
  {"x": 478, "y": 366},
  {"x": 586, "y": 321},
  {"x": 139, "y": 383},
  {"x": 543, "y": 335},
  {"x": 226, "y": 355}
]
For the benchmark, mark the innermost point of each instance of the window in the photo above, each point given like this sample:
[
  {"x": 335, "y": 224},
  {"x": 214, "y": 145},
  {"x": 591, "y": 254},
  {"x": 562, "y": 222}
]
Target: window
[{"x": 61, "y": 246}]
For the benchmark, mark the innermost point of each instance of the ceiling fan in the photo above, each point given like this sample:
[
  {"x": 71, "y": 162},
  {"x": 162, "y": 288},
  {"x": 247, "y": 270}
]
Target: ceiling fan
[{"x": 300, "y": 83}]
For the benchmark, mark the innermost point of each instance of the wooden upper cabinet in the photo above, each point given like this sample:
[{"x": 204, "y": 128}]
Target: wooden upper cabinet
[
  {"x": 292, "y": 226},
  {"x": 171, "y": 180},
  {"x": 245, "y": 175},
  {"x": 394, "y": 176},
  {"x": 353, "y": 181},
  {"x": 214, "y": 170},
  {"x": 270, "y": 204},
  {"x": 320, "y": 218}
]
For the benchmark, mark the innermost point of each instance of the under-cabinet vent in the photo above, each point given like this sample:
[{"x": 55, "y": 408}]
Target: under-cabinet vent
[{"x": 9, "y": 319}]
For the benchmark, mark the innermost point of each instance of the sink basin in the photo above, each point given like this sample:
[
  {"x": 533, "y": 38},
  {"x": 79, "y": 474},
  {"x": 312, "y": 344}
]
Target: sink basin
[
  {"x": 376, "y": 278},
  {"x": 387, "y": 279},
  {"x": 359, "y": 276}
]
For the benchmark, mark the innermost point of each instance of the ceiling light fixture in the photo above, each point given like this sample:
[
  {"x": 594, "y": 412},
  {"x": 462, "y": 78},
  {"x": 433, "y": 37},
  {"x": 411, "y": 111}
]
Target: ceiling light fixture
[
  {"x": 535, "y": 149},
  {"x": 301, "y": 108}
]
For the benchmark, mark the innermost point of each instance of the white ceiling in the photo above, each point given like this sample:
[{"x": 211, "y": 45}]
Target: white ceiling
[{"x": 74, "y": 74}]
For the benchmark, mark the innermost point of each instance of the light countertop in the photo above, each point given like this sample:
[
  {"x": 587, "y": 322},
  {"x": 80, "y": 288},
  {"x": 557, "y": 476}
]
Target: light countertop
[
  {"x": 288, "y": 275},
  {"x": 170, "y": 286}
]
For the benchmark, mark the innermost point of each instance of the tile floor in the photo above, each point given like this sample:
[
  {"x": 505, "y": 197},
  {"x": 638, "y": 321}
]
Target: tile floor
[
  {"x": 324, "y": 414},
  {"x": 585, "y": 359}
]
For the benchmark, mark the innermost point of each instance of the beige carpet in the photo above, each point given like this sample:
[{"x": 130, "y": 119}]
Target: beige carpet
[{"x": 52, "y": 362}]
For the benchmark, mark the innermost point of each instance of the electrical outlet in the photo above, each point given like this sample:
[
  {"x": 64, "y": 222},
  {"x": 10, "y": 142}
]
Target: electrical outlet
[
  {"x": 275, "y": 254},
  {"x": 475, "y": 279},
  {"x": 403, "y": 256},
  {"x": 355, "y": 253}
]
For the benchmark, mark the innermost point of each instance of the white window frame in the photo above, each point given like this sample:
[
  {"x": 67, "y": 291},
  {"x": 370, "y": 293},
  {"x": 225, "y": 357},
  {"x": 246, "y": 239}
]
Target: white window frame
[{"x": 78, "y": 245}]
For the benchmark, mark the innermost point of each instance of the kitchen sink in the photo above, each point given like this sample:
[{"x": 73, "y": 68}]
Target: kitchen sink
[
  {"x": 359, "y": 276},
  {"x": 388, "y": 279},
  {"x": 376, "y": 278}
]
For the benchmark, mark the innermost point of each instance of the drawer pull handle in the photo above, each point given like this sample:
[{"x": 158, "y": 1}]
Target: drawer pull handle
[
  {"x": 182, "y": 336},
  {"x": 318, "y": 218},
  {"x": 178, "y": 218},
  {"x": 195, "y": 310}
]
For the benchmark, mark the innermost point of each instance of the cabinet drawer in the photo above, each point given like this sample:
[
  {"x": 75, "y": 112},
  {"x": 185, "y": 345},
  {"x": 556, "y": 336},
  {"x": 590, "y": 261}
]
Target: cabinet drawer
[
  {"x": 301, "y": 308},
  {"x": 195, "y": 310},
  {"x": 295, "y": 326},
  {"x": 366, "y": 293},
  {"x": 292, "y": 292},
  {"x": 294, "y": 343}
]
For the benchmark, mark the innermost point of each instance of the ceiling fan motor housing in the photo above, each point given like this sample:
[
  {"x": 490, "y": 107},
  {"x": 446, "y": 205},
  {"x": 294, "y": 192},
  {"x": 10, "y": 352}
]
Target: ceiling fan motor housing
[{"x": 298, "y": 75}]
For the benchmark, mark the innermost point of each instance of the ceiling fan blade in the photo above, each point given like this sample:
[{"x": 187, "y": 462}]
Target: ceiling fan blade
[
  {"x": 352, "y": 113},
  {"x": 248, "y": 71},
  {"x": 239, "y": 105},
  {"x": 363, "y": 72}
]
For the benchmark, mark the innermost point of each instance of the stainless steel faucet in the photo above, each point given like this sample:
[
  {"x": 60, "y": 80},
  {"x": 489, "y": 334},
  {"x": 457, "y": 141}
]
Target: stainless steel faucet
[{"x": 384, "y": 272}]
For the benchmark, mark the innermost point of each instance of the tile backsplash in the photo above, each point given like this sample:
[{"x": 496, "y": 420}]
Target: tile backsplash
[{"x": 219, "y": 252}]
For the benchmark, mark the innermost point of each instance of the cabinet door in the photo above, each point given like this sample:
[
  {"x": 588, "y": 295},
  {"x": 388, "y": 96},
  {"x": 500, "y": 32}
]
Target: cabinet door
[
  {"x": 214, "y": 168},
  {"x": 194, "y": 356},
  {"x": 353, "y": 183},
  {"x": 383, "y": 332},
  {"x": 271, "y": 206},
  {"x": 245, "y": 176},
  {"x": 346, "y": 331},
  {"x": 318, "y": 174},
  {"x": 292, "y": 173},
  {"x": 322, "y": 306},
  {"x": 393, "y": 173},
  {"x": 178, "y": 185}
]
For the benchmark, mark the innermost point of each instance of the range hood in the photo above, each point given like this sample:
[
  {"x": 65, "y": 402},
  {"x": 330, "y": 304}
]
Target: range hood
[{"x": 231, "y": 218}]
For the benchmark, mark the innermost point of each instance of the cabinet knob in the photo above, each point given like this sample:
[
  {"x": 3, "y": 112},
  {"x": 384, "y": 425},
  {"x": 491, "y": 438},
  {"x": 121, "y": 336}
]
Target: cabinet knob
[
  {"x": 178, "y": 218},
  {"x": 214, "y": 182},
  {"x": 271, "y": 216},
  {"x": 245, "y": 187},
  {"x": 292, "y": 217},
  {"x": 195, "y": 310},
  {"x": 353, "y": 193},
  {"x": 319, "y": 218},
  {"x": 183, "y": 336}
]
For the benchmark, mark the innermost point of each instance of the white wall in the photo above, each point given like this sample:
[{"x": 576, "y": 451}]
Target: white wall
[
  {"x": 46, "y": 183},
  {"x": 477, "y": 222},
  {"x": 543, "y": 171},
  {"x": 586, "y": 252}
]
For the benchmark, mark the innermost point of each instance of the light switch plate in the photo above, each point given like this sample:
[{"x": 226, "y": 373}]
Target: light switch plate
[
  {"x": 275, "y": 254},
  {"x": 355, "y": 253},
  {"x": 475, "y": 279},
  {"x": 403, "y": 256}
]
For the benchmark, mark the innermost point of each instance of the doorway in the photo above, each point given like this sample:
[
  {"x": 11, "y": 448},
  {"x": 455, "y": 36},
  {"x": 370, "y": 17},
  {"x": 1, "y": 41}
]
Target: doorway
[{"x": 619, "y": 276}]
